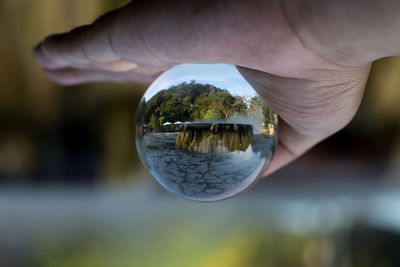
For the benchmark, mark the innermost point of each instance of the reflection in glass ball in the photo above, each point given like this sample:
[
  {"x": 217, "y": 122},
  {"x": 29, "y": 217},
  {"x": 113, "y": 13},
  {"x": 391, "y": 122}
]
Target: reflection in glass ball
[{"x": 204, "y": 133}]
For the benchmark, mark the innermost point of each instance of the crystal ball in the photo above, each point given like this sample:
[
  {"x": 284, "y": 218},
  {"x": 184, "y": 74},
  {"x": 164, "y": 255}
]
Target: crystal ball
[{"x": 204, "y": 133}]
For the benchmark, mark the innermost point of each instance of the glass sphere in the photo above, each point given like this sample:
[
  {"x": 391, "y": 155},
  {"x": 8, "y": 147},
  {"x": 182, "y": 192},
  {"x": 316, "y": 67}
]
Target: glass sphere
[{"x": 204, "y": 133}]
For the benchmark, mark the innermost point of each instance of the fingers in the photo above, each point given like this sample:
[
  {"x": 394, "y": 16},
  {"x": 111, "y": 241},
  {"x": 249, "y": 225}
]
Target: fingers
[
  {"x": 85, "y": 45},
  {"x": 83, "y": 55},
  {"x": 254, "y": 35},
  {"x": 71, "y": 76},
  {"x": 157, "y": 34}
]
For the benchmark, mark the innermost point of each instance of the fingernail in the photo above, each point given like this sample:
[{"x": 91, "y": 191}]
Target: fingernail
[{"x": 117, "y": 65}]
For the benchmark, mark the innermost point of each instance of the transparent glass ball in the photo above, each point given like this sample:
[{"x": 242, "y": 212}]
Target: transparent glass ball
[{"x": 204, "y": 133}]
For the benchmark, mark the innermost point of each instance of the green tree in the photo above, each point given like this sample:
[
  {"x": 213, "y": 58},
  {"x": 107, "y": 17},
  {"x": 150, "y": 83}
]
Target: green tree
[
  {"x": 200, "y": 107},
  {"x": 154, "y": 123},
  {"x": 192, "y": 101},
  {"x": 223, "y": 101},
  {"x": 258, "y": 105},
  {"x": 240, "y": 104},
  {"x": 212, "y": 115}
]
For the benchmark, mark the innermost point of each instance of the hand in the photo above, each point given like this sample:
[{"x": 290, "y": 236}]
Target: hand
[{"x": 302, "y": 61}]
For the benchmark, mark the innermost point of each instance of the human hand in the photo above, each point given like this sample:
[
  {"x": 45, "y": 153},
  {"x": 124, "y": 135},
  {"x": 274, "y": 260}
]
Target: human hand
[{"x": 304, "y": 63}]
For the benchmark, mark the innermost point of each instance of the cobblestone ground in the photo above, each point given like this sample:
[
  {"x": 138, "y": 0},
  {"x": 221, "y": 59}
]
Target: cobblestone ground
[{"x": 197, "y": 175}]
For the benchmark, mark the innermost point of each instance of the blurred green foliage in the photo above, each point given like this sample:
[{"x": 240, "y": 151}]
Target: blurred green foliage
[{"x": 179, "y": 244}]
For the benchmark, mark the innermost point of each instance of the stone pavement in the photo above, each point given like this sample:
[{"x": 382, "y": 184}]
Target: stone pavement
[{"x": 199, "y": 175}]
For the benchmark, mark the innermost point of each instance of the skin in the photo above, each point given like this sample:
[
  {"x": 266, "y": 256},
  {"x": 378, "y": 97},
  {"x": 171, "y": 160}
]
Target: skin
[{"x": 308, "y": 59}]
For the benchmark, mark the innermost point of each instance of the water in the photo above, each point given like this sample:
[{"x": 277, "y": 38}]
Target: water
[{"x": 204, "y": 133}]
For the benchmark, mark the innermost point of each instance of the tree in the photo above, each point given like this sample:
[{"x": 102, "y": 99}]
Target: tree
[
  {"x": 154, "y": 123},
  {"x": 240, "y": 104},
  {"x": 212, "y": 115},
  {"x": 200, "y": 107},
  {"x": 258, "y": 105},
  {"x": 223, "y": 101},
  {"x": 192, "y": 101}
]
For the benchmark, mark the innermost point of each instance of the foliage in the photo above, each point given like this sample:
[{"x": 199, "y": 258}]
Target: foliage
[
  {"x": 257, "y": 106},
  {"x": 196, "y": 102},
  {"x": 212, "y": 115},
  {"x": 154, "y": 123}
]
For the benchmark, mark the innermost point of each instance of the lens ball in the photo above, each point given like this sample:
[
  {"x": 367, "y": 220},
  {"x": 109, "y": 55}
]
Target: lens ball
[{"x": 204, "y": 133}]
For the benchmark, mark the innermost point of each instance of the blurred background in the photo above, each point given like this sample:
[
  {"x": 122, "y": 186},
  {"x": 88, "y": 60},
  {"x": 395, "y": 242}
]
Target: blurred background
[{"x": 73, "y": 192}]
